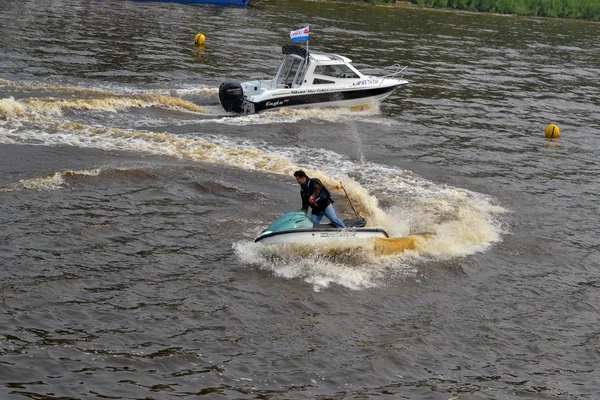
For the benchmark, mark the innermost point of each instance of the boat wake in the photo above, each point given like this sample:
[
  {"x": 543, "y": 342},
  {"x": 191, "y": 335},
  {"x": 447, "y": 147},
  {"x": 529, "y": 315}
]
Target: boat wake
[
  {"x": 291, "y": 115},
  {"x": 352, "y": 264},
  {"x": 202, "y": 102},
  {"x": 459, "y": 222}
]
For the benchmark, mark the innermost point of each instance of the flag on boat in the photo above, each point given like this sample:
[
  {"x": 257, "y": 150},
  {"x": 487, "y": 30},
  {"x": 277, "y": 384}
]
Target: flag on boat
[{"x": 300, "y": 35}]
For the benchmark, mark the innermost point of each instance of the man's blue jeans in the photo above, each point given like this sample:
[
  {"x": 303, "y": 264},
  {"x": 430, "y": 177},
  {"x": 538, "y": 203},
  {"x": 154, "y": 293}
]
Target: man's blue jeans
[{"x": 330, "y": 214}]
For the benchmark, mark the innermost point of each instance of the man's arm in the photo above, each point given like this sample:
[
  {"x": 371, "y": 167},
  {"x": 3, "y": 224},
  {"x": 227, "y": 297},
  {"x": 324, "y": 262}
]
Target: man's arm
[
  {"x": 304, "y": 203},
  {"x": 316, "y": 186}
]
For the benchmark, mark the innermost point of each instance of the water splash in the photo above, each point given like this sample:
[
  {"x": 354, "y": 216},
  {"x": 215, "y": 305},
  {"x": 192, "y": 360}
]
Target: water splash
[
  {"x": 458, "y": 222},
  {"x": 50, "y": 182},
  {"x": 353, "y": 264},
  {"x": 94, "y": 100}
]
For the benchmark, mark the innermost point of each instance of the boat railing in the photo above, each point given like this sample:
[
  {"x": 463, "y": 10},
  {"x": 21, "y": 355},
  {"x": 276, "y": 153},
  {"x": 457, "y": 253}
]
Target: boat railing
[
  {"x": 272, "y": 84},
  {"x": 399, "y": 69},
  {"x": 267, "y": 83}
]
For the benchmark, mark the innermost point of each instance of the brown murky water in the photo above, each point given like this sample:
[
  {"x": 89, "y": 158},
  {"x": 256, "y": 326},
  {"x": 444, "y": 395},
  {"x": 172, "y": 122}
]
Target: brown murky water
[{"x": 130, "y": 202}]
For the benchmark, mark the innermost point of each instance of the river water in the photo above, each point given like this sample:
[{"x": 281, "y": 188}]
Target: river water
[{"x": 130, "y": 201}]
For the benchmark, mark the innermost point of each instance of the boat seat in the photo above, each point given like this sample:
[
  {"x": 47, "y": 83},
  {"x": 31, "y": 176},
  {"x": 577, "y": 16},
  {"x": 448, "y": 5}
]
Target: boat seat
[
  {"x": 355, "y": 222},
  {"x": 324, "y": 226},
  {"x": 350, "y": 223}
]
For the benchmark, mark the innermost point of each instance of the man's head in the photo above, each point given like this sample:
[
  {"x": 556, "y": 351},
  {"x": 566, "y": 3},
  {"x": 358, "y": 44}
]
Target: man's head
[{"x": 301, "y": 177}]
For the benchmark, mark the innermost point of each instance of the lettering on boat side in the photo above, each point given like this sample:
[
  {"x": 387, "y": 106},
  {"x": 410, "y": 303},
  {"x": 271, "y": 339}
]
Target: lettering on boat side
[
  {"x": 368, "y": 82},
  {"x": 338, "y": 234},
  {"x": 309, "y": 91},
  {"x": 276, "y": 103}
]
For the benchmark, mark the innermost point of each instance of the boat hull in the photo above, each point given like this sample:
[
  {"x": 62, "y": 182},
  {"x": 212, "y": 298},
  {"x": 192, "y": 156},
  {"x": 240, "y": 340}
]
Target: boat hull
[
  {"x": 297, "y": 98},
  {"x": 319, "y": 235},
  {"x": 238, "y": 98}
]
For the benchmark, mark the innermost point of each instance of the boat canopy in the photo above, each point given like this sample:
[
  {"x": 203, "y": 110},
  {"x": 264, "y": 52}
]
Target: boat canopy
[
  {"x": 302, "y": 52},
  {"x": 293, "y": 49},
  {"x": 295, "y": 66}
]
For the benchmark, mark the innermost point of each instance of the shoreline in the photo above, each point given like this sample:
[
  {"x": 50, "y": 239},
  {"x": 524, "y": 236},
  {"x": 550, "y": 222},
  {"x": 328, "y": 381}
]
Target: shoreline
[{"x": 409, "y": 5}]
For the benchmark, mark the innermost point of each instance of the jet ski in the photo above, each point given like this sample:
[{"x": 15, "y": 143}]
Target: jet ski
[{"x": 295, "y": 227}]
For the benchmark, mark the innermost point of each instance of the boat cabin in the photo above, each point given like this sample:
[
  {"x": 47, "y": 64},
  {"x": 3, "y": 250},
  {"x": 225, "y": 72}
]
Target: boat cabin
[{"x": 299, "y": 68}]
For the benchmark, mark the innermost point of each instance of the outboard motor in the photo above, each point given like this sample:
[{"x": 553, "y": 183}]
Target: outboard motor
[{"x": 231, "y": 97}]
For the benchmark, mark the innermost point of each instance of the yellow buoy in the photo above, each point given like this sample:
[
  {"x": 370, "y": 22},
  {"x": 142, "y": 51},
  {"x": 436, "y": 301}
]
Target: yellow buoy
[
  {"x": 552, "y": 131},
  {"x": 199, "y": 38}
]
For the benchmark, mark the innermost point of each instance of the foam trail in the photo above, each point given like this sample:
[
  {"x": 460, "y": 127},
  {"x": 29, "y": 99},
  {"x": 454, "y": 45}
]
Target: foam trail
[
  {"x": 54, "y": 88},
  {"x": 352, "y": 265},
  {"x": 10, "y": 109},
  {"x": 459, "y": 222},
  {"x": 293, "y": 115},
  {"x": 98, "y": 100},
  {"x": 50, "y": 182},
  {"x": 112, "y": 104}
]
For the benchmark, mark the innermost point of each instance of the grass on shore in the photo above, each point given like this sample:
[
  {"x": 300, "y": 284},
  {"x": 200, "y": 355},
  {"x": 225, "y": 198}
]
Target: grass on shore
[{"x": 575, "y": 9}]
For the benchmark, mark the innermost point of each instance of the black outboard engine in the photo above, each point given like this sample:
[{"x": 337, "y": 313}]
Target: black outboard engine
[{"x": 231, "y": 97}]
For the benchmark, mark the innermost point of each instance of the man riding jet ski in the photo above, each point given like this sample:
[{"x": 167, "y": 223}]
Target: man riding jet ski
[
  {"x": 296, "y": 226},
  {"x": 316, "y": 195}
]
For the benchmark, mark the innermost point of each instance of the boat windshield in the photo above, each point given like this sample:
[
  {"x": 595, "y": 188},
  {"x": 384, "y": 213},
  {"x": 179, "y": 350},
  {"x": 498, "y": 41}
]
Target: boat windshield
[
  {"x": 291, "y": 67},
  {"x": 336, "y": 71}
]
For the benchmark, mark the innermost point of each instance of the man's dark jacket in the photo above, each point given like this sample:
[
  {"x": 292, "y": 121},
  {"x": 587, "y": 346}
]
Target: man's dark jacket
[{"x": 314, "y": 187}]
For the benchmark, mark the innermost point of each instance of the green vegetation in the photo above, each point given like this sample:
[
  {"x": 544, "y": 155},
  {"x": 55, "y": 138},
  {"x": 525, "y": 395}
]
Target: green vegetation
[{"x": 578, "y": 9}]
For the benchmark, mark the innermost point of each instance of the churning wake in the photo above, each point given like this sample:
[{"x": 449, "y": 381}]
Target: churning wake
[{"x": 455, "y": 222}]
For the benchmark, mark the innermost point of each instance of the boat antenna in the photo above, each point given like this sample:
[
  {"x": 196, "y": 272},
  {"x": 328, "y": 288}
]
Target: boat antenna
[{"x": 349, "y": 201}]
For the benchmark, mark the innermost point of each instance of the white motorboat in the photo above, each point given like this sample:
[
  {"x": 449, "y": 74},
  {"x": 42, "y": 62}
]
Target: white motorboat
[
  {"x": 296, "y": 227},
  {"x": 309, "y": 80}
]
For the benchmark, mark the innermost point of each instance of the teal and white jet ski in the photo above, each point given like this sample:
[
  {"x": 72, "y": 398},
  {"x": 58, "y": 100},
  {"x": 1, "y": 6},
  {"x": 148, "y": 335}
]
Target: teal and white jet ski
[{"x": 295, "y": 226}]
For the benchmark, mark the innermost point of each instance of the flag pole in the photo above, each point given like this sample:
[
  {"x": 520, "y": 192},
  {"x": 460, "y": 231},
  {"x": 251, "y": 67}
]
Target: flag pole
[{"x": 307, "y": 41}]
